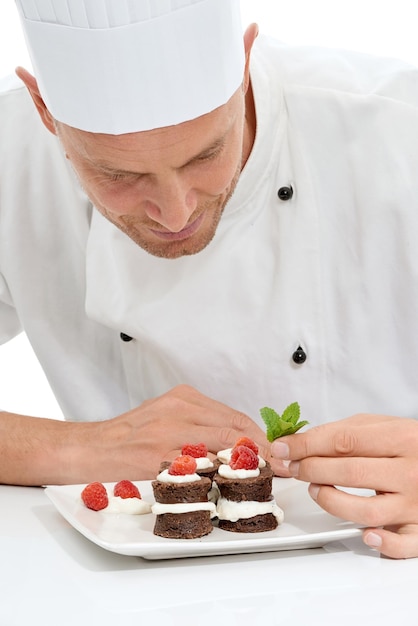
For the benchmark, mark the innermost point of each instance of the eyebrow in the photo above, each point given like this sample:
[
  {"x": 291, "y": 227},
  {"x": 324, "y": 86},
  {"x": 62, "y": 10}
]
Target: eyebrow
[{"x": 206, "y": 152}]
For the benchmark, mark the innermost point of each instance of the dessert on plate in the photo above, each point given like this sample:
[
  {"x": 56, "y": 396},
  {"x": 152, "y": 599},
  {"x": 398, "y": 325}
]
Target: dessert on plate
[{"x": 192, "y": 490}]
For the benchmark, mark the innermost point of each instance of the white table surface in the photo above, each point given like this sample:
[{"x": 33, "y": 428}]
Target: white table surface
[{"x": 52, "y": 575}]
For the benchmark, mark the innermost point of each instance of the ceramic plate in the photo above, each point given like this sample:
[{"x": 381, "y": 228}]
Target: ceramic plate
[{"x": 305, "y": 525}]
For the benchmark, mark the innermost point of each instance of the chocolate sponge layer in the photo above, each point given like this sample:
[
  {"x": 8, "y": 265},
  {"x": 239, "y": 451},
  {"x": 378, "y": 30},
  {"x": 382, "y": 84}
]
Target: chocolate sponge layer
[
  {"x": 247, "y": 489},
  {"x": 183, "y": 525},
  {"x": 173, "y": 493},
  {"x": 256, "y": 524}
]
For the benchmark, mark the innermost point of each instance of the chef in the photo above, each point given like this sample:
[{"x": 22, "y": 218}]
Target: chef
[{"x": 197, "y": 222}]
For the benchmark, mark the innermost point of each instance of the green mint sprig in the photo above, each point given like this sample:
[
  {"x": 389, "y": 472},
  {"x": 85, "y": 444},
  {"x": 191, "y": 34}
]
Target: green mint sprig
[{"x": 279, "y": 425}]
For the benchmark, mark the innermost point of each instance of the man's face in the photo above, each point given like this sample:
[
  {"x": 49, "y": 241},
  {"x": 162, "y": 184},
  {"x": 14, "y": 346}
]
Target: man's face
[{"x": 165, "y": 188}]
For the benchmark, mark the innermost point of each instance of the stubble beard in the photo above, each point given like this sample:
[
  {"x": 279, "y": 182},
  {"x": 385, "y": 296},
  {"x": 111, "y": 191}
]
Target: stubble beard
[{"x": 176, "y": 249}]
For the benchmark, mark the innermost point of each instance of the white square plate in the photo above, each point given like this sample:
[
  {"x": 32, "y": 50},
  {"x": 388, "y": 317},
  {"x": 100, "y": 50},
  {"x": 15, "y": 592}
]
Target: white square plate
[{"x": 305, "y": 525}]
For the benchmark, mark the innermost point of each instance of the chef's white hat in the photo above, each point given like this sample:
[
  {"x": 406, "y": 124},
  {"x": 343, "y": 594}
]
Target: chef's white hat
[{"x": 120, "y": 66}]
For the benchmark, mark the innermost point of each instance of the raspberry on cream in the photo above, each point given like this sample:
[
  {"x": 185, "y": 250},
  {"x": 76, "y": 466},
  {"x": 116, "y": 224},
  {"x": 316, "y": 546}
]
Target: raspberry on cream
[
  {"x": 166, "y": 477},
  {"x": 225, "y": 457}
]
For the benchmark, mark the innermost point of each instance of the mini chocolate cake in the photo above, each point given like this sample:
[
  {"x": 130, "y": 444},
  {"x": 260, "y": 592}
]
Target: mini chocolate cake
[
  {"x": 233, "y": 513},
  {"x": 193, "y": 518}
]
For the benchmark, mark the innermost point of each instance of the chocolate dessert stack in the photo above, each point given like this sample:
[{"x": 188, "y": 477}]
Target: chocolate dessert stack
[
  {"x": 181, "y": 504},
  {"x": 246, "y": 503}
]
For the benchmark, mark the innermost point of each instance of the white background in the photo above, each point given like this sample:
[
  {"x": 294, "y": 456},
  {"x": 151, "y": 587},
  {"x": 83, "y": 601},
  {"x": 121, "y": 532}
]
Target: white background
[{"x": 384, "y": 28}]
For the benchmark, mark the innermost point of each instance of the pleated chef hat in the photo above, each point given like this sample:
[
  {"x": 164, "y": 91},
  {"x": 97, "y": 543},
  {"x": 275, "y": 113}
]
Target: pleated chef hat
[{"x": 121, "y": 66}]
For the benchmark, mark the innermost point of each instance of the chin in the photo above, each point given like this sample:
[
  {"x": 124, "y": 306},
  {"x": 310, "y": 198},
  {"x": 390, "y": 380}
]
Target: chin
[{"x": 175, "y": 249}]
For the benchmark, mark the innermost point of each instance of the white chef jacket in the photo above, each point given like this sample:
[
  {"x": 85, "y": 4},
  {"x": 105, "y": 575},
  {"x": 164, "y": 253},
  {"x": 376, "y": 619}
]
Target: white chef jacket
[{"x": 333, "y": 269}]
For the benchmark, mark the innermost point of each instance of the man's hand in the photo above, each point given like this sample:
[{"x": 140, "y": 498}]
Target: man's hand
[
  {"x": 38, "y": 451},
  {"x": 365, "y": 451},
  {"x": 139, "y": 440}
]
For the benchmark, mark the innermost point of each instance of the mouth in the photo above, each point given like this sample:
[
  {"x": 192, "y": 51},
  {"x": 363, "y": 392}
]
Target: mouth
[{"x": 185, "y": 233}]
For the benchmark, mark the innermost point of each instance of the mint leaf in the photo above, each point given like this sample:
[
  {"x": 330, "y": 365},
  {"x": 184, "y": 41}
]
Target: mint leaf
[
  {"x": 292, "y": 413},
  {"x": 270, "y": 418},
  {"x": 286, "y": 424}
]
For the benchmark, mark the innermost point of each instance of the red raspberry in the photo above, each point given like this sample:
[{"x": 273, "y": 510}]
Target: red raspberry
[
  {"x": 243, "y": 458},
  {"x": 183, "y": 465},
  {"x": 195, "y": 450},
  {"x": 126, "y": 489},
  {"x": 249, "y": 443},
  {"x": 95, "y": 496}
]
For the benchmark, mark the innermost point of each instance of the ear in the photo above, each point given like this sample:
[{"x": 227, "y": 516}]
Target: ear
[
  {"x": 250, "y": 36},
  {"x": 32, "y": 87}
]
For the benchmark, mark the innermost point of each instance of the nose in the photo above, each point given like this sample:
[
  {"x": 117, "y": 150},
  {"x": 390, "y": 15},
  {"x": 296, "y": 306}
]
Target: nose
[{"x": 171, "y": 204}]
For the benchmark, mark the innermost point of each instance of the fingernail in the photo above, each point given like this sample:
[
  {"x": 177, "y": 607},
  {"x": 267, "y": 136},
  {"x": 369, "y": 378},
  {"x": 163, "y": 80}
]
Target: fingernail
[
  {"x": 313, "y": 491},
  {"x": 372, "y": 540},
  {"x": 279, "y": 450},
  {"x": 294, "y": 468}
]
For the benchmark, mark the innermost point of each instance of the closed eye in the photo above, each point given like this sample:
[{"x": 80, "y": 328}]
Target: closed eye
[{"x": 206, "y": 156}]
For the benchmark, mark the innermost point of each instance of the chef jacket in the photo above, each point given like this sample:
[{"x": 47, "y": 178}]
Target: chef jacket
[{"x": 308, "y": 292}]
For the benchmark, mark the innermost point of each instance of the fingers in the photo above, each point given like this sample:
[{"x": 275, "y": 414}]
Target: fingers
[
  {"x": 218, "y": 439},
  {"x": 400, "y": 543},
  {"x": 184, "y": 415},
  {"x": 198, "y": 405},
  {"x": 185, "y": 401},
  {"x": 280, "y": 468},
  {"x": 369, "y": 510},
  {"x": 363, "y": 473},
  {"x": 361, "y": 435}
]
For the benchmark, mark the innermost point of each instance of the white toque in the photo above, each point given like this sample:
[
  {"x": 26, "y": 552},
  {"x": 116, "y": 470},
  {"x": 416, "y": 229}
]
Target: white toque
[{"x": 121, "y": 66}]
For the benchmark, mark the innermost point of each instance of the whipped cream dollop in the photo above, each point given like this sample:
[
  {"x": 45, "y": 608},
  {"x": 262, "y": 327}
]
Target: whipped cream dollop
[
  {"x": 226, "y": 471},
  {"x": 234, "y": 511},
  {"x": 225, "y": 457},
  {"x": 184, "y": 507},
  {"x": 165, "y": 477},
  {"x": 131, "y": 506},
  {"x": 203, "y": 462}
]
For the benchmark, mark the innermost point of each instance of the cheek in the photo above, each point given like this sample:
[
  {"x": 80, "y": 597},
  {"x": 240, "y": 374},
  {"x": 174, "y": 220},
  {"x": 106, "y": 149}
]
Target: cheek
[
  {"x": 219, "y": 181},
  {"x": 216, "y": 179},
  {"x": 117, "y": 197},
  {"x": 114, "y": 197}
]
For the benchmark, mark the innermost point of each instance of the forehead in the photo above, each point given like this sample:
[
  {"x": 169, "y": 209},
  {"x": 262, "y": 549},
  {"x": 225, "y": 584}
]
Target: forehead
[{"x": 173, "y": 144}]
